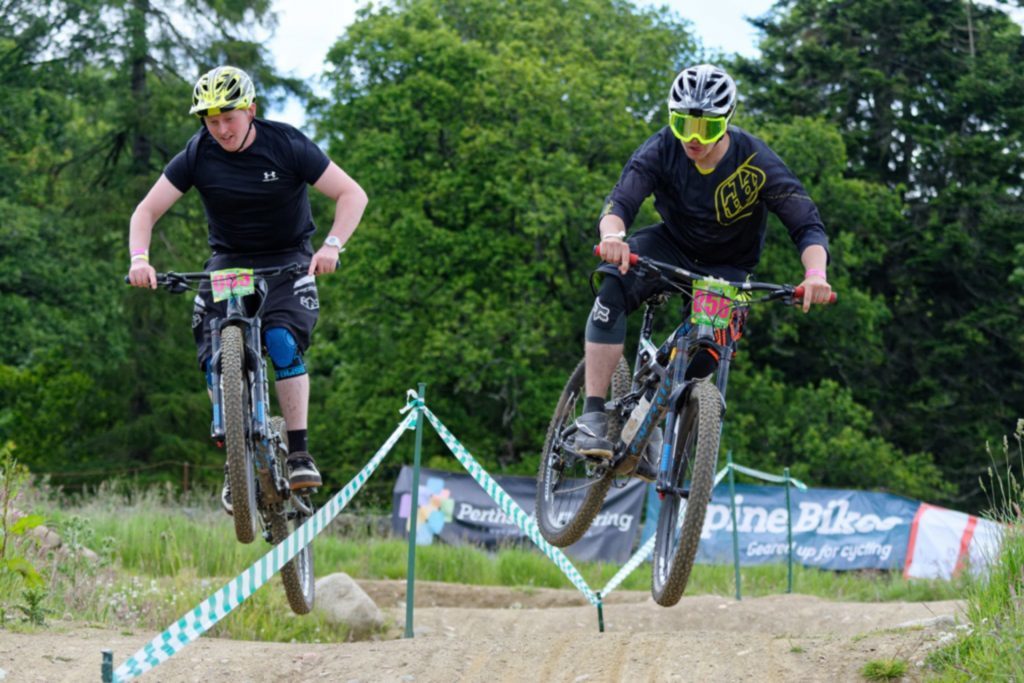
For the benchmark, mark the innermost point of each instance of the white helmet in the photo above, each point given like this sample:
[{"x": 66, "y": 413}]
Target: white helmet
[{"x": 704, "y": 87}]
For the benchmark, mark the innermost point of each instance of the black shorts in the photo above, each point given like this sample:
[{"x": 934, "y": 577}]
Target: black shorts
[
  {"x": 656, "y": 242},
  {"x": 292, "y": 301}
]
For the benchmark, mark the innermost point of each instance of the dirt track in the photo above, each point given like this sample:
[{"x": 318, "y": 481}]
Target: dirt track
[{"x": 471, "y": 633}]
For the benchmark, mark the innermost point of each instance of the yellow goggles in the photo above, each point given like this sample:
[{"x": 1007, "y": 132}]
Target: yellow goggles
[{"x": 704, "y": 129}]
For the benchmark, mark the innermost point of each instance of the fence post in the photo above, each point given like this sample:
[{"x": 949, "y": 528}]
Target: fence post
[
  {"x": 107, "y": 668},
  {"x": 414, "y": 508},
  {"x": 789, "y": 535},
  {"x": 735, "y": 530}
]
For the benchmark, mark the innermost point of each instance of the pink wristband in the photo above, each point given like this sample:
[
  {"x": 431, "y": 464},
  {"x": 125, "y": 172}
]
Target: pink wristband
[
  {"x": 136, "y": 252},
  {"x": 815, "y": 272}
]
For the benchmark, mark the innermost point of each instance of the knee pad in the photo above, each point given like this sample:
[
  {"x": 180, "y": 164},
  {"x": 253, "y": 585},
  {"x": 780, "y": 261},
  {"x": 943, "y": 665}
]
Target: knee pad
[
  {"x": 607, "y": 321},
  {"x": 284, "y": 353}
]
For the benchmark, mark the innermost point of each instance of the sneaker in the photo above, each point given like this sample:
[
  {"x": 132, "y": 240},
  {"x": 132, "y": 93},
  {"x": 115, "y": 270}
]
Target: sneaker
[
  {"x": 592, "y": 428},
  {"x": 225, "y": 494},
  {"x": 647, "y": 467},
  {"x": 302, "y": 471}
]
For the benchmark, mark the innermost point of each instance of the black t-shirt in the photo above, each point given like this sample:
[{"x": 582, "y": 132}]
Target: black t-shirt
[
  {"x": 718, "y": 218},
  {"x": 255, "y": 200}
]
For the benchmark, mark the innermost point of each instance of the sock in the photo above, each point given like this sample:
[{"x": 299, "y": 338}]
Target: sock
[
  {"x": 296, "y": 441},
  {"x": 593, "y": 404}
]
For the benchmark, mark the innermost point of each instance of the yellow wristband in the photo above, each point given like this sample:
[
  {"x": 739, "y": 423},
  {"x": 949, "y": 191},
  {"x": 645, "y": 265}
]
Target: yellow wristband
[{"x": 141, "y": 257}]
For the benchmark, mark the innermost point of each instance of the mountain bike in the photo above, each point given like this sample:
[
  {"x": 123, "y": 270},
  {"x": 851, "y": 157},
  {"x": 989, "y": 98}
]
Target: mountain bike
[
  {"x": 255, "y": 442},
  {"x": 571, "y": 487}
]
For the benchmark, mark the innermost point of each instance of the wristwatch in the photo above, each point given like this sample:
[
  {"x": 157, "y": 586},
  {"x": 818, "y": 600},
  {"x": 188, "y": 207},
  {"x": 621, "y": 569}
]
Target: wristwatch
[
  {"x": 333, "y": 241},
  {"x": 617, "y": 235}
]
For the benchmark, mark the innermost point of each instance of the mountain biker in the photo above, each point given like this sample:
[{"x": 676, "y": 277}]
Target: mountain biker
[
  {"x": 251, "y": 175},
  {"x": 713, "y": 185}
]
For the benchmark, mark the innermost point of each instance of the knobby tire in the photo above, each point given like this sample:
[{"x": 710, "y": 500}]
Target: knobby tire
[
  {"x": 235, "y": 392},
  {"x": 568, "y": 501},
  {"x": 695, "y": 447},
  {"x": 297, "y": 575}
]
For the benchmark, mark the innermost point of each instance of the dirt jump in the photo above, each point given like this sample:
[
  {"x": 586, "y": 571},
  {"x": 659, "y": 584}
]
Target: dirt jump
[{"x": 491, "y": 634}]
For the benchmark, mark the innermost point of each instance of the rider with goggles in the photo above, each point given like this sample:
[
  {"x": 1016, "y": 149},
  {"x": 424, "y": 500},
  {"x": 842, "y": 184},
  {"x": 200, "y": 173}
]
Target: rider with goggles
[{"x": 713, "y": 185}]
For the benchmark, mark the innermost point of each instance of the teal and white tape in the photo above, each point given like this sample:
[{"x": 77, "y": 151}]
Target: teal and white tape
[
  {"x": 764, "y": 476},
  {"x": 644, "y": 551},
  {"x": 201, "y": 619},
  {"x": 510, "y": 507}
]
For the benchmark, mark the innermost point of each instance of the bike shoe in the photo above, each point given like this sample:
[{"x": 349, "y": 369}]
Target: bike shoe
[
  {"x": 647, "y": 467},
  {"x": 225, "y": 494},
  {"x": 592, "y": 429},
  {"x": 302, "y": 471}
]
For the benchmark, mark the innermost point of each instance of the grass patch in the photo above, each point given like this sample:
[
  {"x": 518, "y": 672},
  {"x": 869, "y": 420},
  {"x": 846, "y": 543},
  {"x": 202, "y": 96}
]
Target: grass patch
[
  {"x": 884, "y": 669},
  {"x": 992, "y": 646},
  {"x": 162, "y": 555}
]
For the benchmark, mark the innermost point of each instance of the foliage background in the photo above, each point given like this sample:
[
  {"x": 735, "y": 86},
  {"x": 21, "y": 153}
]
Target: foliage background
[{"x": 487, "y": 136}]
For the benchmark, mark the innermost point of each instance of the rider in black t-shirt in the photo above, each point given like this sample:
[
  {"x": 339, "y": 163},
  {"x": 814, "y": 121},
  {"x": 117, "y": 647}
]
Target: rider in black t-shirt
[
  {"x": 252, "y": 175},
  {"x": 713, "y": 186}
]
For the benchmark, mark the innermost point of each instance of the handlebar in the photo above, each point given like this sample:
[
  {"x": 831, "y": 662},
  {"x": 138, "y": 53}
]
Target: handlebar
[
  {"x": 178, "y": 282},
  {"x": 682, "y": 274}
]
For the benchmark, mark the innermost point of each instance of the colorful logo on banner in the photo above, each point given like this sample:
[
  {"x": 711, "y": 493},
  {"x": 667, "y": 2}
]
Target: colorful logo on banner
[{"x": 435, "y": 509}]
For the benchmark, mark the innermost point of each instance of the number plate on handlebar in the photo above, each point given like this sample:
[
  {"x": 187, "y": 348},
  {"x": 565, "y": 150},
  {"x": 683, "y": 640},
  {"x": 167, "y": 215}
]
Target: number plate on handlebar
[
  {"x": 712, "y": 303},
  {"x": 229, "y": 282}
]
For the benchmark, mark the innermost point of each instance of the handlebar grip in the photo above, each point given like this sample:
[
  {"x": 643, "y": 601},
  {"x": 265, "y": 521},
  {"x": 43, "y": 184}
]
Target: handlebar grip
[
  {"x": 798, "y": 294},
  {"x": 633, "y": 258}
]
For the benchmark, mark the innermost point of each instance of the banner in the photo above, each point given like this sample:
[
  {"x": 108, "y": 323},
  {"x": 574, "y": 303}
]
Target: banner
[
  {"x": 454, "y": 509},
  {"x": 944, "y": 542},
  {"x": 833, "y": 529}
]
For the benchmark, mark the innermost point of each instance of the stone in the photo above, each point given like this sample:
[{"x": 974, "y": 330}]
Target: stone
[{"x": 342, "y": 601}]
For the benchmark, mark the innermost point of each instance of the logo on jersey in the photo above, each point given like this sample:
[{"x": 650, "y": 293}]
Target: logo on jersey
[
  {"x": 310, "y": 302},
  {"x": 737, "y": 193},
  {"x": 270, "y": 176}
]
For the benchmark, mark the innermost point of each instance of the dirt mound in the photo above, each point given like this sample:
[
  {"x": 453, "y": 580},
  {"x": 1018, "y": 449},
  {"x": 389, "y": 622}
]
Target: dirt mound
[{"x": 488, "y": 634}]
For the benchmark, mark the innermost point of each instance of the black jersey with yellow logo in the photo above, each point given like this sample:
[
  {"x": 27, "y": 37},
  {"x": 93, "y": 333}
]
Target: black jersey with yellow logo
[{"x": 717, "y": 217}]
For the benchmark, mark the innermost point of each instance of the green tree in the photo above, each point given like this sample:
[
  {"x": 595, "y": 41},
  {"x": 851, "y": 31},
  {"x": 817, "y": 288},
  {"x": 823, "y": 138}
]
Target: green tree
[
  {"x": 95, "y": 100},
  {"x": 929, "y": 99},
  {"x": 486, "y": 136}
]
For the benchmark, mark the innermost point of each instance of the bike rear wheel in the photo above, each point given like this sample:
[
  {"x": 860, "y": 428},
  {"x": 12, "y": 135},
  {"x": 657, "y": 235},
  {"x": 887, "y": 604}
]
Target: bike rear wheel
[
  {"x": 235, "y": 392},
  {"x": 572, "y": 488},
  {"x": 297, "y": 575},
  {"x": 695, "y": 454}
]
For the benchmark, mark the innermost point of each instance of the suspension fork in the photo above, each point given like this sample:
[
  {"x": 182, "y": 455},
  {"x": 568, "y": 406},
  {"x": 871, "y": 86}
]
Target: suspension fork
[{"x": 216, "y": 397}]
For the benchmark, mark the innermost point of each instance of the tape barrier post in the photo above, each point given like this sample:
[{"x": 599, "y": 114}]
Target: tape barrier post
[
  {"x": 510, "y": 507},
  {"x": 410, "y": 574},
  {"x": 789, "y": 536},
  {"x": 644, "y": 551},
  {"x": 735, "y": 529},
  {"x": 195, "y": 623}
]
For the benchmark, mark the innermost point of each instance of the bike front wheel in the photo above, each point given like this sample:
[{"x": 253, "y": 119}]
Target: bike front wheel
[
  {"x": 695, "y": 453},
  {"x": 235, "y": 393},
  {"x": 297, "y": 574},
  {"x": 570, "y": 487}
]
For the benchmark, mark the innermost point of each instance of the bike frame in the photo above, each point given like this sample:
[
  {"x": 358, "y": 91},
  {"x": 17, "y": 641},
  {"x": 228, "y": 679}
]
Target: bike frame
[
  {"x": 672, "y": 388},
  {"x": 664, "y": 368}
]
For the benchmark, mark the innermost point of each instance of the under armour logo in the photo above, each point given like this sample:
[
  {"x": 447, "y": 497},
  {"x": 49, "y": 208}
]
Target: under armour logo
[
  {"x": 269, "y": 176},
  {"x": 600, "y": 313}
]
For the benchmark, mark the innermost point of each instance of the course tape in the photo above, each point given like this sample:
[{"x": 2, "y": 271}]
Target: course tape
[
  {"x": 644, "y": 551},
  {"x": 193, "y": 624},
  {"x": 775, "y": 479},
  {"x": 510, "y": 507}
]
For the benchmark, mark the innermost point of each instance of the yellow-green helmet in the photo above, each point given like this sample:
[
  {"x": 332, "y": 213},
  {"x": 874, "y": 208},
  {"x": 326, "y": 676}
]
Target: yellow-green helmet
[{"x": 222, "y": 89}]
